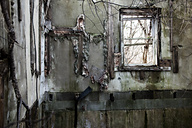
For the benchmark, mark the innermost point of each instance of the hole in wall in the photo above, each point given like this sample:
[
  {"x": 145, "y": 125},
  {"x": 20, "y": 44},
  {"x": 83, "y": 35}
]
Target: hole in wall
[
  {"x": 133, "y": 96},
  {"x": 112, "y": 98},
  {"x": 174, "y": 95}
]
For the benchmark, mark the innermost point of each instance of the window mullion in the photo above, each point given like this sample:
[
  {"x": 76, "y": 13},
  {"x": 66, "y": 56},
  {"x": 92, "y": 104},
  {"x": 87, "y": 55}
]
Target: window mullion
[{"x": 122, "y": 41}]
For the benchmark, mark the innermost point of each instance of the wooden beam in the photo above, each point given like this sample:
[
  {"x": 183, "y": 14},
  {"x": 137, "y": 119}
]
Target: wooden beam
[
  {"x": 131, "y": 100},
  {"x": 138, "y": 44},
  {"x": 171, "y": 23},
  {"x": 110, "y": 43},
  {"x": 175, "y": 60}
]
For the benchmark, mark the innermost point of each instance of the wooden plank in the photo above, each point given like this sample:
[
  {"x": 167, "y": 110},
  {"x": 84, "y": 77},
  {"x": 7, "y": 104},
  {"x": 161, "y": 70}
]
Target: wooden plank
[
  {"x": 138, "y": 38},
  {"x": 171, "y": 23},
  {"x": 117, "y": 123},
  {"x": 129, "y": 122},
  {"x": 154, "y": 118},
  {"x": 80, "y": 54},
  {"x": 121, "y": 104},
  {"x": 87, "y": 119},
  {"x": 110, "y": 43},
  {"x": 137, "y": 18},
  {"x": 169, "y": 115},
  {"x": 138, "y": 44},
  {"x": 138, "y": 119}
]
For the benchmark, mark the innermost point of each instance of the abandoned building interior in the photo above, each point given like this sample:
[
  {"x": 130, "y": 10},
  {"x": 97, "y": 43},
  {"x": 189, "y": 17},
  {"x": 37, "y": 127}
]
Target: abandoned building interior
[{"x": 96, "y": 64}]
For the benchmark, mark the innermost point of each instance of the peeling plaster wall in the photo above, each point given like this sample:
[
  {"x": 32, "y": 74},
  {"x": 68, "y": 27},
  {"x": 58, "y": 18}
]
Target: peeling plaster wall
[
  {"x": 126, "y": 81},
  {"x": 62, "y": 77},
  {"x": 33, "y": 92},
  {"x": 62, "y": 57}
]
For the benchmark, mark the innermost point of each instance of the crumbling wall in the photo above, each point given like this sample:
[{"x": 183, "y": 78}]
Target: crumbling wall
[
  {"x": 26, "y": 80},
  {"x": 158, "y": 118},
  {"x": 64, "y": 48},
  {"x": 97, "y": 15}
]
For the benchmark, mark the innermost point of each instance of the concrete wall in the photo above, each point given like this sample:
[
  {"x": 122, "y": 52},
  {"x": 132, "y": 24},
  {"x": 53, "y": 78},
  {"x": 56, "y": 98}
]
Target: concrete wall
[
  {"x": 63, "y": 14},
  {"x": 62, "y": 77},
  {"x": 27, "y": 81},
  {"x": 159, "y": 118}
]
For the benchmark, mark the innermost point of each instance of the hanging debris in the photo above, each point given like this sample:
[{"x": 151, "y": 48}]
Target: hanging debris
[
  {"x": 99, "y": 76},
  {"x": 104, "y": 80},
  {"x": 80, "y": 23},
  {"x": 85, "y": 71}
]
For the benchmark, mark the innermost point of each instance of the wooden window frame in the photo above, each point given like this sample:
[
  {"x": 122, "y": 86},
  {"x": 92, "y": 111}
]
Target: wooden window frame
[{"x": 159, "y": 64}]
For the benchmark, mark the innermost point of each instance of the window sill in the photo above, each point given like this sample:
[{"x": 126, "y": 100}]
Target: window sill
[{"x": 142, "y": 68}]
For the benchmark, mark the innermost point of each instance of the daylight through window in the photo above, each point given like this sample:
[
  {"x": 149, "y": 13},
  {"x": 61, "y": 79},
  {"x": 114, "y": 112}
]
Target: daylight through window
[{"x": 139, "y": 29}]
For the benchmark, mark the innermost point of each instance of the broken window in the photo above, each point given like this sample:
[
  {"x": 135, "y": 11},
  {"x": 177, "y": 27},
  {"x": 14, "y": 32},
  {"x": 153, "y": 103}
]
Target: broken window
[{"x": 139, "y": 37}]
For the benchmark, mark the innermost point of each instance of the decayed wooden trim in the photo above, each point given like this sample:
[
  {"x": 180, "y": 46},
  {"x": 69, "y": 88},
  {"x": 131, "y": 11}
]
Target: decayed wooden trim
[
  {"x": 110, "y": 43},
  {"x": 175, "y": 60},
  {"x": 138, "y": 44},
  {"x": 171, "y": 24},
  {"x": 143, "y": 68},
  {"x": 129, "y": 100}
]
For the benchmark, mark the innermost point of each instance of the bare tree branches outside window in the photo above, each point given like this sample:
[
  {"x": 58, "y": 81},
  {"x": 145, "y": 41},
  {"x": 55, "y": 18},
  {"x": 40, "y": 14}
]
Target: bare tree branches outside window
[{"x": 139, "y": 37}]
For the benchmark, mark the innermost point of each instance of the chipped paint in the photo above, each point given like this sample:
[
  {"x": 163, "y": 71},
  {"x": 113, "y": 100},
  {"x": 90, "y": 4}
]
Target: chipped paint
[
  {"x": 76, "y": 53},
  {"x": 85, "y": 51},
  {"x": 104, "y": 80},
  {"x": 80, "y": 23},
  {"x": 99, "y": 76},
  {"x": 85, "y": 71},
  {"x": 105, "y": 52},
  {"x": 117, "y": 60}
]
